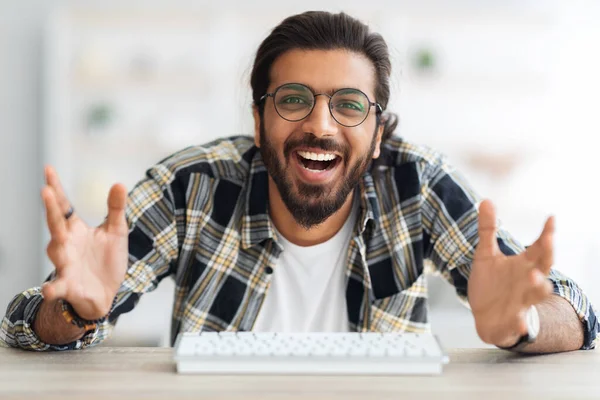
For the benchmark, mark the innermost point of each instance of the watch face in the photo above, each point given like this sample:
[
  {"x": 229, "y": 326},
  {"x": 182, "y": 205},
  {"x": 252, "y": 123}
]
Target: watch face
[{"x": 533, "y": 322}]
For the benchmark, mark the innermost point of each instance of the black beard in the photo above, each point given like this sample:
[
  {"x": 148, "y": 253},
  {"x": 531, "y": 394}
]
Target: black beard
[{"x": 314, "y": 203}]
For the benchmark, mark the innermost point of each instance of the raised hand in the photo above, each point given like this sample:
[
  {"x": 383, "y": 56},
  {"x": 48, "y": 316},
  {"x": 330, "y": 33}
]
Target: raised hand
[
  {"x": 90, "y": 262},
  {"x": 502, "y": 288}
]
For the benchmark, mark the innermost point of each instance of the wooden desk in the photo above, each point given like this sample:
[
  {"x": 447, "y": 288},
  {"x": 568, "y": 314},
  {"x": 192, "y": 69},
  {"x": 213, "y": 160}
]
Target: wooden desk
[{"x": 129, "y": 373}]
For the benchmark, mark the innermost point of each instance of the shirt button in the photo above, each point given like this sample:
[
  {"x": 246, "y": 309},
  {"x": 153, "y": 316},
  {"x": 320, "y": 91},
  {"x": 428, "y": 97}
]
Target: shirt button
[{"x": 269, "y": 270}]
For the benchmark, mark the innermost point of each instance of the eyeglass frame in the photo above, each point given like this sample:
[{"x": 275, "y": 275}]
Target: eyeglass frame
[{"x": 330, "y": 106}]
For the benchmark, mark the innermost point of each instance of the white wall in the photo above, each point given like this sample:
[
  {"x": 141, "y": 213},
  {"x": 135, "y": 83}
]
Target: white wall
[
  {"x": 20, "y": 167},
  {"x": 566, "y": 119}
]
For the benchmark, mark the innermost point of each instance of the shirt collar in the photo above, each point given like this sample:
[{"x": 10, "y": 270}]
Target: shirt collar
[
  {"x": 256, "y": 224},
  {"x": 369, "y": 205}
]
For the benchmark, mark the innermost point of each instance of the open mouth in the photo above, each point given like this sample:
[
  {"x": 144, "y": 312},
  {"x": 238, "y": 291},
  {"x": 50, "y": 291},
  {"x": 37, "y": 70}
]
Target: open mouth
[{"x": 317, "y": 162}]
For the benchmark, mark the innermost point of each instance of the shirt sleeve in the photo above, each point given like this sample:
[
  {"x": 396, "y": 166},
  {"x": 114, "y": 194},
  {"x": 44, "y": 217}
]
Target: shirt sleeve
[
  {"x": 450, "y": 214},
  {"x": 153, "y": 251}
]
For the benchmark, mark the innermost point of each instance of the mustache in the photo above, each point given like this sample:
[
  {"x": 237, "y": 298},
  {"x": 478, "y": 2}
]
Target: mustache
[{"x": 327, "y": 145}]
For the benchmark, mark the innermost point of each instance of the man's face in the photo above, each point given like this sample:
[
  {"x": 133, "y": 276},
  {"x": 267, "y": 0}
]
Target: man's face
[{"x": 314, "y": 190}]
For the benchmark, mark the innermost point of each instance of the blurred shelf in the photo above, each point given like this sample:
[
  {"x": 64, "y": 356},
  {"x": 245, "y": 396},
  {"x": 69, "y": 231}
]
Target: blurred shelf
[{"x": 170, "y": 84}]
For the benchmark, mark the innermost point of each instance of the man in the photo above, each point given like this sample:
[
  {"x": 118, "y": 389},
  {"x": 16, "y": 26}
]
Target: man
[{"x": 323, "y": 222}]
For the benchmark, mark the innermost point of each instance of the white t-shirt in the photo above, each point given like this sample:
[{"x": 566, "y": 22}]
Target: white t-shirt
[{"x": 308, "y": 287}]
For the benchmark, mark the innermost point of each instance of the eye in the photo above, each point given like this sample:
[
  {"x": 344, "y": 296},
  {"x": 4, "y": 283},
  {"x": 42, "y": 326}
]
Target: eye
[
  {"x": 350, "y": 105},
  {"x": 293, "y": 100}
]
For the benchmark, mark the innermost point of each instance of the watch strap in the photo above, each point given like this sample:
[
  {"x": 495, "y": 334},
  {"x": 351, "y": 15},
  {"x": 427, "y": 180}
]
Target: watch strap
[
  {"x": 521, "y": 343},
  {"x": 71, "y": 316}
]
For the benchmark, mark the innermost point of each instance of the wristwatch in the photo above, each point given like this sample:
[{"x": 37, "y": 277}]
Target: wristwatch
[
  {"x": 72, "y": 317},
  {"x": 533, "y": 328}
]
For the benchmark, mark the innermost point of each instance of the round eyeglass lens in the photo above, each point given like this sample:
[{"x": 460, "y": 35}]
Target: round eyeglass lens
[
  {"x": 294, "y": 102},
  {"x": 349, "y": 107}
]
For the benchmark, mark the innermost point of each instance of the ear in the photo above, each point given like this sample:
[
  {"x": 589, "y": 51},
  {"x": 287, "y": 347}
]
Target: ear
[
  {"x": 256, "y": 116},
  {"x": 378, "y": 141}
]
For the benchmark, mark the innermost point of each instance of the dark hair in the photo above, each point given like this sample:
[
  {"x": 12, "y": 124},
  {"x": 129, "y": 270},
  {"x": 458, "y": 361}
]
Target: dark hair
[{"x": 320, "y": 30}]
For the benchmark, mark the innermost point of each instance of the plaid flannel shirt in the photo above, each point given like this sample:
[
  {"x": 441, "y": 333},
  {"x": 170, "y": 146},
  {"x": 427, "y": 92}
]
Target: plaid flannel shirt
[{"x": 201, "y": 217}]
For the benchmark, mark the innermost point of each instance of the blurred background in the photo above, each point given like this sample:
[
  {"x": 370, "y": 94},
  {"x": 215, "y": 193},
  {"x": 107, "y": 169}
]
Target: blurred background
[{"x": 104, "y": 89}]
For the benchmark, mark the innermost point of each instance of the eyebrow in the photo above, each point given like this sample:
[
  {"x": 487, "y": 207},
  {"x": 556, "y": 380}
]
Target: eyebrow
[{"x": 312, "y": 89}]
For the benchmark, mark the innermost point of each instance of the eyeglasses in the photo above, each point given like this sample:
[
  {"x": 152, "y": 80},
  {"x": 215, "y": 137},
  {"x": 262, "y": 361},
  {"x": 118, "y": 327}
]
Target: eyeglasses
[{"x": 295, "y": 101}]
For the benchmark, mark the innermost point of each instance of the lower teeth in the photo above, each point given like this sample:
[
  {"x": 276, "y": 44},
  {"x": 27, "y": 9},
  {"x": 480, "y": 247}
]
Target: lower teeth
[
  {"x": 327, "y": 165},
  {"x": 313, "y": 170}
]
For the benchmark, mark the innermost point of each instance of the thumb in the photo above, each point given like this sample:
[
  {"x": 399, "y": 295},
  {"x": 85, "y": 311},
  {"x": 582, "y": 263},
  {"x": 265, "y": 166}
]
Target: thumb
[
  {"x": 54, "y": 290},
  {"x": 488, "y": 243},
  {"x": 542, "y": 251},
  {"x": 115, "y": 221}
]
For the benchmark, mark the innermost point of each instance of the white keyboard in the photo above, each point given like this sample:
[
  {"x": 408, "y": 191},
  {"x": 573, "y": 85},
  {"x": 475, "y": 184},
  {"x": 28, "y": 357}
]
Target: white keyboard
[{"x": 309, "y": 353}]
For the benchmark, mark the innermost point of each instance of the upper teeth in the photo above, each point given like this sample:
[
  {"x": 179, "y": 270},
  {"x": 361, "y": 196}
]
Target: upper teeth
[{"x": 317, "y": 157}]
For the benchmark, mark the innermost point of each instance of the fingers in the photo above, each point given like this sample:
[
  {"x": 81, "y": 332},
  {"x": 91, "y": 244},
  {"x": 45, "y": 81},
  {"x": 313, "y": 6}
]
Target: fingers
[
  {"x": 54, "y": 216},
  {"x": 518, "y": 326},
  {"x": 537, "y": 288},
  {"x": 55, "y": 290},
  {"x": 53, "y": 181},
  {"x": 57, "y": 254},
  {"x": 115, "y": 221},
  {"x": 488, "y": 243},
  {"x": 542, "y": 251},
  {"x": 521, "y": 325},
  {"x": 547, "y": 243},
  {"x": 505, "y": 321},
  {"x": 506, "y": 332}
]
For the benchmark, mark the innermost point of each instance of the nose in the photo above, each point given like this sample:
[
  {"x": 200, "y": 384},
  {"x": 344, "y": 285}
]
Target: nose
[{"x": 320, "y": 122}]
